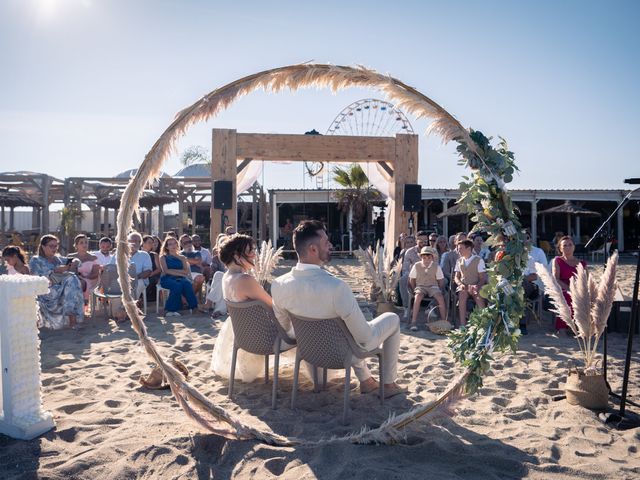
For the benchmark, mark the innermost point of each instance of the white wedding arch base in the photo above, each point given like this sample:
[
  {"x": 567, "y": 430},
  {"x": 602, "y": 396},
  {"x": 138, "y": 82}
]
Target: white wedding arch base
[
  {"x": 199, "y": 408},
  {"x": 21, "y": 412}
]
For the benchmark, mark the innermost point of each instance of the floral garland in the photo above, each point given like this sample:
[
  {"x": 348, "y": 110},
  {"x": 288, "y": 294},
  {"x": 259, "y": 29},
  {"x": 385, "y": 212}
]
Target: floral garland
[{"x": 494, "y": 327}]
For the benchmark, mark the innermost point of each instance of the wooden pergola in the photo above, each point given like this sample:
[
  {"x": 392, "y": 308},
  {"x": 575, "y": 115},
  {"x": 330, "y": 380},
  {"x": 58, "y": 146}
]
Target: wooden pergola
[{"x": 398, "y": 157}]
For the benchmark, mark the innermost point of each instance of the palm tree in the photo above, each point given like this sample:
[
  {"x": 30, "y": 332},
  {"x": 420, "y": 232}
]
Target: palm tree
[
  {"x": 355, "y": 197},
  {"x": 195, "y": 154}
]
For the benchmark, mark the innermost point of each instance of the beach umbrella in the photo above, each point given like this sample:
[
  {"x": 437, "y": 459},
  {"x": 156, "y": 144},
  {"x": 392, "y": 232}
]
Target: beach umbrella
[{"x": 571, "y": 209}]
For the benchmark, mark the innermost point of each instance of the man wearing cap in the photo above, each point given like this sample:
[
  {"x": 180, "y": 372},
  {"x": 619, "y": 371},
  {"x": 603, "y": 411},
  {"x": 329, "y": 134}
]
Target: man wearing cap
[
  {"x": 426, "y": 280},
  {"x": 411, "y": 257}
]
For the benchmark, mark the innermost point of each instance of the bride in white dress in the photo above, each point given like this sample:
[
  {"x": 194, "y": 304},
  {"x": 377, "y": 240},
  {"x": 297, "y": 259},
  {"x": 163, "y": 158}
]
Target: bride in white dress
[{"x": 238, "y": 285}]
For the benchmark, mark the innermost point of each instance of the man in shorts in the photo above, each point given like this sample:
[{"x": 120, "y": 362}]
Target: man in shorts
[{"x": 426, "y": 279}]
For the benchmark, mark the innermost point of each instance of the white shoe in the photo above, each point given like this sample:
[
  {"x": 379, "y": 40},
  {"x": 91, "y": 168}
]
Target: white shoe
[
  {"x": 406, "y": 313},
  {"x": 173, "y": 314}
]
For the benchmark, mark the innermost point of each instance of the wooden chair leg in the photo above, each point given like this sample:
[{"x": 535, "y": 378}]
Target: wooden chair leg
[
  {"x": 382, "y": 379},
  {"x": 232, "y": 373},
  {"x": 266, "y": 369},
  {"x": 347, "y": 385},
  {"x": 294, "y": 389}
]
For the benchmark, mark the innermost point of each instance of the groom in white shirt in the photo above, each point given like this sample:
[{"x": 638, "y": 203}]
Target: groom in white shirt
[{"x": 310, "y": 291}]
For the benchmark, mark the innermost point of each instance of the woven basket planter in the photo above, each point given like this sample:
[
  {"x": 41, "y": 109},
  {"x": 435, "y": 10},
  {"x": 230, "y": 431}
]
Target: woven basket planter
[{"x": 588, "y": 391}]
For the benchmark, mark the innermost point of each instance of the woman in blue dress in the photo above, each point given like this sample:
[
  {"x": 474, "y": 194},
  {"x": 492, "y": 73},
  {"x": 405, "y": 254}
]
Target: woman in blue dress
[
  {"x": 64, "y": 304},
  {"x": 176, "y": 277}
]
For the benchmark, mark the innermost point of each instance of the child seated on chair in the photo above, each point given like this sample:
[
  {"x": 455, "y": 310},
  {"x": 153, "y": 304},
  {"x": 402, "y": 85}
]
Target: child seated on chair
[
  {"x": 426, "y": 279},
  {"x": 470, "y": 276}
]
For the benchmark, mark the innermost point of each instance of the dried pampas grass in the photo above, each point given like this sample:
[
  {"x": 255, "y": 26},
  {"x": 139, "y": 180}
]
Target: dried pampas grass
[
  {"x": 384, "y": 274},
  {"x": 290, "y": 77},
  {"x": 267, "y": 260},
  {"x": 591, "y": 303}
]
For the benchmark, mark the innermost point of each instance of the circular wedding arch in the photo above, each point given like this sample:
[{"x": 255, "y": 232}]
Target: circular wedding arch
[{"x": 486, "y": 195}]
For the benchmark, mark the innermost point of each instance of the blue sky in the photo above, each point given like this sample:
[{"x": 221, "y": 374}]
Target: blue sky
[{"x": 88, "y": 85}]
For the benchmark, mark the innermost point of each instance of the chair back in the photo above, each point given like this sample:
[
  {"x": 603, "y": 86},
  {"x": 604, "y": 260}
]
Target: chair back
[
  {"x": 324, "y": 342},
  {"x": 108, "y": 282},
  {"x": 255, "y": 326}
]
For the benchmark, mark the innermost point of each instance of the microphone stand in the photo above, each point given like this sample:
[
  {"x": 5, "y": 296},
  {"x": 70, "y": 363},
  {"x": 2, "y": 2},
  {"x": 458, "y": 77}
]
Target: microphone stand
[{"x": 619, "y": 418}]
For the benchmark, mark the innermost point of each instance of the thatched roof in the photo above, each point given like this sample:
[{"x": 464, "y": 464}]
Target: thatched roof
[
  {"x": 14, "y": 199},
  {"x": 572, "y": 209}
]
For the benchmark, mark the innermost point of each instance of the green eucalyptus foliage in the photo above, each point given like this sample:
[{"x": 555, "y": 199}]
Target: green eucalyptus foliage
[{"x": 494, "y": 328}]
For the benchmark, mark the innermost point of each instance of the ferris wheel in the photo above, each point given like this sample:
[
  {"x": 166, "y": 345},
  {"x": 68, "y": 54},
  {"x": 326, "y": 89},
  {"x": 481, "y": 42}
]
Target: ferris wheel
[{"x": 369, "y": 117}]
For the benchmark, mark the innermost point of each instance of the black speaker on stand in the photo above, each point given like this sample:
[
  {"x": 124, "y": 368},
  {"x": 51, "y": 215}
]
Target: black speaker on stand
[
  {"x": 222, "y": 198},
  {"x": 622, "y": 420},
  {"x": 412, "y": 202}
]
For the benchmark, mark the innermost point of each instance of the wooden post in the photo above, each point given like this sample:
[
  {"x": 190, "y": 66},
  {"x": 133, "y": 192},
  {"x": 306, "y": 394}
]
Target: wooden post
[
  {"x": 263, "y": 215},
  {"x": 105, "y": 222},
  {"x": 96, "y": 218},
  {"x": 405, "y": 171},
  {"x": 161, "y": 221},
  {"x": 45, "y": 204},
  {"x": 254, "y": 211},
  {"x": 223, "y": 167},
  {"x": 534, "y": 222},
  {"x": 180, "y": 211},
  {"x": 193, "y": 213}
]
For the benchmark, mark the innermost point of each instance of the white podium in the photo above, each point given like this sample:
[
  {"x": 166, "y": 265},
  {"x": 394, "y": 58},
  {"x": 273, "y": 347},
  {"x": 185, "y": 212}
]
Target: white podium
[{"x": 21, "y": 413}]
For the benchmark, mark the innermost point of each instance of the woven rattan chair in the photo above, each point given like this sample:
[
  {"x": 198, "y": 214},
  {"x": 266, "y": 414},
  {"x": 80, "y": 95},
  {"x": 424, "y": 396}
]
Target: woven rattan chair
[
  {"x": 256, "y": 330},
  {"x": 328, "y": 344}
]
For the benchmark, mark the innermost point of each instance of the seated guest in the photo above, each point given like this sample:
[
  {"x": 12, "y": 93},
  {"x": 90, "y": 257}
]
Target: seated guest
[
  {"x": 141, "y": 260},
  {"x": 449, "y": 259},
  {"x": 148, "y": 245},
  {"x": 205, "y": 254},
  {"x": 564, "y": 267},
  {"x": 310, "y": 291},
  {"x": 88, "y": 268},
  {"x": 442, "y": 246},
  {"x": 399, "y": 247},
  {"x": 479, "y": 248},
  {"x": 215, "y": 295},
  {"x": 531, "y": 284},
  {"x": 409, "y": 259},
  {"x": 104, "y": 253},
  {"x": 426, "y": 280},
  {"x": 64, "y": 304},
  {"x": 176, "y": 277},
  {"x": 195, "y": 262},
  {"x": 470, "y": 276},
  {"x": 16, "y": 260}
]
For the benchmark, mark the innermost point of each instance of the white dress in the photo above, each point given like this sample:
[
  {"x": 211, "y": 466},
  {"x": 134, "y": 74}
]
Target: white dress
[{"x": 248, "y": 366}]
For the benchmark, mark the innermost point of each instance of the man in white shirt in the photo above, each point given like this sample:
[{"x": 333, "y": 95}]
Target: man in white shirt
[
  {"x": 310, "y": 291},
  {"x": 104, "y": 254},
  {"x": 205, "y": 254},
  {"x": 533, "y": 286},
  {"x": 141, "y": 260}
]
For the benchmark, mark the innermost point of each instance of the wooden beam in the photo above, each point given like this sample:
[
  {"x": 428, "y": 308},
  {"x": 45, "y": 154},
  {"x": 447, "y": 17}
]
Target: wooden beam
[
  {"x": 223, "y": 167},
  {"x": 244, "y": 164},
  {"x": 315, "y": 148},
  {"x": 406, "y": 171},
  {"x": 387, "y": 169}
]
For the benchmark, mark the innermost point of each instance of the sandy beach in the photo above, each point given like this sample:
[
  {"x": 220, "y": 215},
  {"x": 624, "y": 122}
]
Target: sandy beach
[{"x": 109, "y": 427}]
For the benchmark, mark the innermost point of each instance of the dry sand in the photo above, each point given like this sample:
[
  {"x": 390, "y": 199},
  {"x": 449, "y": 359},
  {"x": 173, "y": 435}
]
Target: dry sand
[{"x": 110, "y": 427}]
